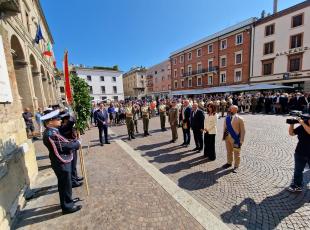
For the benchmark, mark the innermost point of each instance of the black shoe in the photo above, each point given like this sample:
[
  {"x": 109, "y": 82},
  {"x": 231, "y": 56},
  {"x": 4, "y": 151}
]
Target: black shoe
[
  {"x": 72, "y": 210},
  {"x": 183, "y": 144},
  {"x": 226, "y": 166},
  {"x": 77, "y": 185},
  {"x": 101, "y": 144},
  {"x": 235, "y": 170},
  {"x": 133, "y": 137},
  {"x": 172, "y": 141},
  {"x": 107, "y": 142},
  {"x": 195, "y": 149},
  {"x": 80, "y": 178}
]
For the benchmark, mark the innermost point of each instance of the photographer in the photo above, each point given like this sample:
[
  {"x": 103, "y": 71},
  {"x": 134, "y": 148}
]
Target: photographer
[{"x": 302, "y": 153}]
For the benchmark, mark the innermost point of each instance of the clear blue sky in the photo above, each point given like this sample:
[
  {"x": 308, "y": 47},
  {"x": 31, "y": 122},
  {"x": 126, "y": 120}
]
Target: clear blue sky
[{"x": 140, "y": 32}]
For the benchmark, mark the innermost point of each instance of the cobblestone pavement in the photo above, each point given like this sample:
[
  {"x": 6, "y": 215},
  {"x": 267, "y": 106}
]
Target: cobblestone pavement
[
  {"x": 254, "y": 198},
  {"x": 123, "y": 196}
]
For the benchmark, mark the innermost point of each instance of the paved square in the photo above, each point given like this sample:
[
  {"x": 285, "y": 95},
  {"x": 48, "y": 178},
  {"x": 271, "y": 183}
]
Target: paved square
[{"x": 255, "y": 198}]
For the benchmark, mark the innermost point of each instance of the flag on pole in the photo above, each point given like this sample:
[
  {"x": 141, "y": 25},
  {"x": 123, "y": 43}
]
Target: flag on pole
[
  {"x": 48, "y": 52},
  {"x": 39, "y": 35},
  {"x": 67, "y": 79}
]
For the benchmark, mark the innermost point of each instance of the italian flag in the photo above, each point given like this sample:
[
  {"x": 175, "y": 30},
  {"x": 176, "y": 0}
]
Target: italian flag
[{"x": 48, "y": 51}]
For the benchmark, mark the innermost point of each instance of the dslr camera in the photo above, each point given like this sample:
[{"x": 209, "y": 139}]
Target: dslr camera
[{"x": 297, "y": 114}]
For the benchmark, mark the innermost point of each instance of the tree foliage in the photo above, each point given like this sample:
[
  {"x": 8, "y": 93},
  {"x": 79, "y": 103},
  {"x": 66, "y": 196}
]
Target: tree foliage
[{"x": 81, "y": 101}]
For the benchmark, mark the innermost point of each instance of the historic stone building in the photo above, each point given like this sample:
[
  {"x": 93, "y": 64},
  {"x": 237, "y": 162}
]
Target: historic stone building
[
  {"x": 159, "y": 80},
  {"x": 135, "y": 83},
  {"x": 26, "y": 80}
]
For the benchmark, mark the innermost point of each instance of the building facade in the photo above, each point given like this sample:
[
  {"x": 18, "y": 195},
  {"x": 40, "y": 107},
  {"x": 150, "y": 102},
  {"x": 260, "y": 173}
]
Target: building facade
[
  {"x": 26, "y": 80},
  {"x": 159, "y": 80},
  {"x": 135, "y": 83},
  {"x": 281, "y": 48},
  {"x": 104, "y": 84},
  {"x": 217, "y": 60}
]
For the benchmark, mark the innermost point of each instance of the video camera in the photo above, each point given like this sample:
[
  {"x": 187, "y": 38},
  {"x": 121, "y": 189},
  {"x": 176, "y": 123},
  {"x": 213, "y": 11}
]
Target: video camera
[{"x": 297, "y": 114}]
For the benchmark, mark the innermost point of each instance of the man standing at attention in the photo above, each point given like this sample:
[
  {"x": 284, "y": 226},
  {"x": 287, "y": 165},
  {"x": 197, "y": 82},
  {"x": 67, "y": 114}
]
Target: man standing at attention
[
  {"x": 234, "y": 133},
  {"x": 173, "y": 120},
  {"x": 162, "y": 115},
  {"x": 197, "y": 124},
  {"x": 101, "y": 120},
  {"x": 185, "y": 117}
]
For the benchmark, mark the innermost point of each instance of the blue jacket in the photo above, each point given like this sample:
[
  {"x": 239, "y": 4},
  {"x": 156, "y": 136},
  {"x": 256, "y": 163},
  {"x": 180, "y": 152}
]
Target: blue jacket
[{"x": 101, "y": 117}]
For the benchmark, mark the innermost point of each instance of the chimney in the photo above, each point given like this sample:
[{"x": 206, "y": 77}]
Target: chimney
[{"x": 275, "y": 6}]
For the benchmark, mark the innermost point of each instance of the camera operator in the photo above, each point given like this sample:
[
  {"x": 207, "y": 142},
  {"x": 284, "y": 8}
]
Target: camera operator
[{"x": 302, "y": 152}]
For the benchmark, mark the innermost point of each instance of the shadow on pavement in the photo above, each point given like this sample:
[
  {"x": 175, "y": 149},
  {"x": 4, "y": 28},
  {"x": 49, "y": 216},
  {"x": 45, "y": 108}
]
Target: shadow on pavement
[
  {"x": 37, "y": 215},
  {"x": 153, "y": 146},
  {"x": 274, "y": 208}
]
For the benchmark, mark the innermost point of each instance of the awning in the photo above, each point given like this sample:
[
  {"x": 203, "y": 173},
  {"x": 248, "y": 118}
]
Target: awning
[{"x": 229, "y": 89}]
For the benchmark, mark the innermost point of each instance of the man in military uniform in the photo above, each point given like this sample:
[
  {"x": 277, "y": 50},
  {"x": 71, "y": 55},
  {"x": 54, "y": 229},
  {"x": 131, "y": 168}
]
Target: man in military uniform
[
  {"x": 68, "y": 131},
  {"x": 146, "y": 111},
  {"x": 129, "y": 111},
  {"x": 162, "y": 115},
  {"x": 173, "y": 120},
  {"x": 61, "y": 155}
]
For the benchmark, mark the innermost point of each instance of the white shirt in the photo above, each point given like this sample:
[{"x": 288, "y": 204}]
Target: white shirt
[{"x": 211, "y": 123}]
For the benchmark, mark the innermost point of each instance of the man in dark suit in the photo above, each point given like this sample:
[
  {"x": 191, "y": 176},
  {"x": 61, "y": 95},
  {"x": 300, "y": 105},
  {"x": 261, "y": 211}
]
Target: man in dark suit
[
  {"x": 101, "y": 120},
  {"x": 185, "y": 118},
  {"x": 197, "y": 124},
  {"x": 299, "y": 102}
]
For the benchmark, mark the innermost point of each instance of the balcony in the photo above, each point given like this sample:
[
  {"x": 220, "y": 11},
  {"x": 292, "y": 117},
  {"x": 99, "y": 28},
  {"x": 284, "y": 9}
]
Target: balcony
[
  {"x": 201, "y": 71},
  {"x": 10, "y": 7}
]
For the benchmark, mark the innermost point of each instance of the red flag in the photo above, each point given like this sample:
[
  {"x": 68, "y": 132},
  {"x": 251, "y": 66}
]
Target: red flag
[{"x": 67, "y": 79}]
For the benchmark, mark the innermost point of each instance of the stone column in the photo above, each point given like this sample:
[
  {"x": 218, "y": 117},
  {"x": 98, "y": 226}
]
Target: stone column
[
  {"x": 46, "y": 90},
  {"x": 38, "y": 88}
]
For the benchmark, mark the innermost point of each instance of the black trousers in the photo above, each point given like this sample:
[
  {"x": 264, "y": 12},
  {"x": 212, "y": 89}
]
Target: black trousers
[
  {"x": 105, "y": 131},
  {"x": 186, "y": 136},
  {"x": 74, "y": 175},
  {"x": 198, "y": 138},
  {"x": 63, "y": 173},
  {"x": 209, "y": 150}
]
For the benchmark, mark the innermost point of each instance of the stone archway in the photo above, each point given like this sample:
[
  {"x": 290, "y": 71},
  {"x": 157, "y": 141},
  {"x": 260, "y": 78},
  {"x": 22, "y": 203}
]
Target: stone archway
[
  {"x": 22, "y": 77},
  {"x": 37, "y": 82},
  {"x": 45, "y": 81},
  {"x": 50, "y": 88}
]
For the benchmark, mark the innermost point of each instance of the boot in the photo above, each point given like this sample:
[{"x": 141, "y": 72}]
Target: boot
[
  {"x": 132, "y": 136},
  {"x": 129, "y": 137},
  {"x": 145, "y": 134}
]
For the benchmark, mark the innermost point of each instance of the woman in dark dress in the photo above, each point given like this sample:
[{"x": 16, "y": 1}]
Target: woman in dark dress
[{"x": 210, "y": 132}]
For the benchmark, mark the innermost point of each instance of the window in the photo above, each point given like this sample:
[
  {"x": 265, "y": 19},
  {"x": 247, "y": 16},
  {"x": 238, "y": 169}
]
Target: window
[
  {"x": 223, "y": 61},
  {"x": 28, "y": 23},
  {"x": 182, "y": 83},
  {"x": 189, "y": 70},
  {"x": 223, "y": 44},
  {"x": 199, "y": 68},
  {"x": 268, "y": 48},
  {"x": 223, "y": 77},
  {"x": 296, "y": 41},
  {"x": 174, "y": 61},
  {"x": 62, "y": 89},
  {"x": 169, "y": 87},
  {"x": 102, "y": 89},
  {"x": 210, "y": 48},
  {"x": 238, "y": 75},
  {"x": 210, "y": 65},
  {"x": 113, "y": 79},
  {"x": 88, "y": 78},
  {"x": 103, "y": 98},
  {"x": 210, "y": 80},
  {"x": 175, "y": 84},
  {"x": 175, "y": 73},
  {"x": 181, "y": 58},
  {"x": 239, "y": 39},
  {"x": 101, "y": 78},
  {"x": 199, "y": 52},
  {"x": 182, "y": 72},
  {"x": 190, "y": 82},
  {"x": 115, "y": 98},
  {"x": 297, "y": 20},
  {"x": 238, "y": 58},
  {"x": 267, "y": 67},
  {"x": 163, "y": 78},
  {"x": 90, "y": 89},
  {"x": 114, "y": 89},
  {"x": 269, "y": 30},
  {"x": 294, "y": 63},
  {"x": 155, "y": 72},
  {"x": 199, "y": 81},
  {"x": 189, "y": 56}
]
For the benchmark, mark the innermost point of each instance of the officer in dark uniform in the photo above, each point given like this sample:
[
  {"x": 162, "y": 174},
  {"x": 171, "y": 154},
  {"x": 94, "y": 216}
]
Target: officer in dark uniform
[
  {"x": 61, "y": 155},
  {"x": 68, "y": 131}
]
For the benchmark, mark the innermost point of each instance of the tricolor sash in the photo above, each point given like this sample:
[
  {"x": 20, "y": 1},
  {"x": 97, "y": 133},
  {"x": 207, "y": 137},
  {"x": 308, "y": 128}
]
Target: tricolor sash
[{"x": 232, "y": 132}]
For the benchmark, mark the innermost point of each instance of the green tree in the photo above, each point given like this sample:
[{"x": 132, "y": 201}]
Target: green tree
[{"x": 81, "y": 101}]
